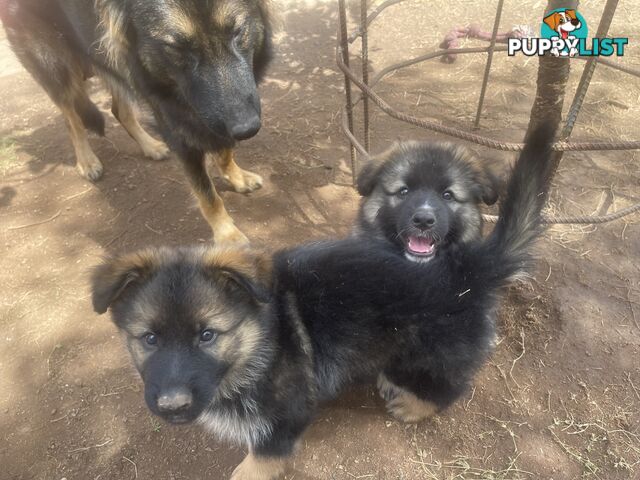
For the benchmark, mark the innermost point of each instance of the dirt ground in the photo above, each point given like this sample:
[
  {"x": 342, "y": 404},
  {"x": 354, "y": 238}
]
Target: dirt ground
[{"x": 560, "y": 397}]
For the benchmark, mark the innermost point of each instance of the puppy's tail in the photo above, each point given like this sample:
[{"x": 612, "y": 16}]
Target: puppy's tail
[{"x": 519, "y": 222}]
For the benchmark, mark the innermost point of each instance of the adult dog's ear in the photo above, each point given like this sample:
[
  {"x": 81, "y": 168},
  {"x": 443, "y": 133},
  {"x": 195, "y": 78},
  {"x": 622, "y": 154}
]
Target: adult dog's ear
[
  {"x": 243, "y": 269},
  {"x": 115, "y": 275},
  {"x": 552, "y": 20}
]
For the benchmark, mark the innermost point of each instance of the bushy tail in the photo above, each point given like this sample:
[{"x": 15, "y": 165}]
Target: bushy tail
[{"x": 519, "y": 220}]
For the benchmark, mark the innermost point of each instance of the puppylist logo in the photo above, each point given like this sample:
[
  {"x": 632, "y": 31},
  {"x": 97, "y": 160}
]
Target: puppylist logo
[{"x": 563, "y": 33}]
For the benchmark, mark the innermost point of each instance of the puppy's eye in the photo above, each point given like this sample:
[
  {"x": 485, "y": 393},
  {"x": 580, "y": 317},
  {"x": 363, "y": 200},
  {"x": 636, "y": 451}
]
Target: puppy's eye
[
  {"x": 402, "y": 192},
  {"x": 447, "y": 195},
  {"x": 208, "y": 335},
  {"x": 151, "y": 339}
]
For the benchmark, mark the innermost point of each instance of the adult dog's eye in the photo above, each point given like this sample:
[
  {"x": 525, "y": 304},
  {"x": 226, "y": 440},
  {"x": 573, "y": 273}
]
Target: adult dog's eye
[
  {"x": 238, "y": 31},
  {"x": 239, "y": 37},
  {"x": 447, "y": 195},
  {"x": 402, "y": 192},
  {"x": 176, "y": 45},
  {"x": 207, "y": 335},
  {"x": 151, "y": 339}
]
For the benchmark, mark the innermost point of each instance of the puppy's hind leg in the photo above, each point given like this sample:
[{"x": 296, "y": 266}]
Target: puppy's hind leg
[
  {"x": 404, "y": 404},
  {"x": 241, "y": 180},
  {"x": 123, "y": 109},
  {"x": 256, "y": 467}
]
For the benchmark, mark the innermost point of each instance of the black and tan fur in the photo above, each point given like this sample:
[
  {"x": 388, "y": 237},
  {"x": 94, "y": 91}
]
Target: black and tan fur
[
  {"x": 195, "y": 63},
  {"x": 421, "y": 190},
  {"x": 250, "y": 347}
]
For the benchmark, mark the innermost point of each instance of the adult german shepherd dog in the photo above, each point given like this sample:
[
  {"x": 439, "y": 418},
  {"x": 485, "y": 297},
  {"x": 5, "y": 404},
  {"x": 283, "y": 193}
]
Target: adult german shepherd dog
[
  {"x": 194, "y": 62},
  {"x": 249, "y": 346}
]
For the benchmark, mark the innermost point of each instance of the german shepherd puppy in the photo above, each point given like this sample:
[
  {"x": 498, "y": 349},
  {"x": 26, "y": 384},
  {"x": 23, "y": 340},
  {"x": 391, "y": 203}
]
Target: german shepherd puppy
[
  {"x": 194, "y": 62},
  {"x": 422, "y": 197},
  {"x": 249, "y": 346}
]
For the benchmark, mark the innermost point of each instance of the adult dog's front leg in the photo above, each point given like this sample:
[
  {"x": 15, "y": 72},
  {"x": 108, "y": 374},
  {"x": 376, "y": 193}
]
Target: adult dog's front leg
[
  {"x": 241, "y": 180},
  {"x": 123, "y": 109},
  {"x": 211, "y": 204}
]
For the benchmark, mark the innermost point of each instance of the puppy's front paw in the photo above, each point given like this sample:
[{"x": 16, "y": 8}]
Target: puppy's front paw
[
  {"x": 388, "y": 391},
  {"x": 259, "y": 468},
  {"x": 408, "y": 408}
]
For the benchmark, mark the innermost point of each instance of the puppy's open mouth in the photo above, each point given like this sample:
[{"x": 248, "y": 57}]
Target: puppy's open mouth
[{"x": 420, "y": 247}]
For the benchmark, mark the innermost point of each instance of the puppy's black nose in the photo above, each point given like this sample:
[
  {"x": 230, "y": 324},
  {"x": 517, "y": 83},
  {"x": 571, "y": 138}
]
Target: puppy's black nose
[
  {"x": 175, "y": 400},
  {"x": 423, "y": 219},
  {"x": 575, "y": 22},
  {"x": 246, "y": 129}
]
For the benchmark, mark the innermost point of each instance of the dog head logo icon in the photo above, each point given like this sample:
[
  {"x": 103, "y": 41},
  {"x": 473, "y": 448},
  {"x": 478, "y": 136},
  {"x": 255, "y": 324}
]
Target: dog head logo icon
[{"x": 567, "y": 25}]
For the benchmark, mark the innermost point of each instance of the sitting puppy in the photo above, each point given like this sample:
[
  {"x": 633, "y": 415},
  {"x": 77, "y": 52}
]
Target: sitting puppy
[
  {"x": 423, "y": 197},
  {"x": 249, "y": 346}
]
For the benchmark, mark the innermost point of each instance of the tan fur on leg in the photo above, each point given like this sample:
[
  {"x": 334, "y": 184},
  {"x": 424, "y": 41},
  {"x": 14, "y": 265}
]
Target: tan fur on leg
[
  {"x": 126, "y": 115},
  {"x": 403, "y": 404},
  {"x": 254, "y": 467},
  {"x": 241, "y": 180},
  {"x": 86, "y": 161},
  {"x": 224, "y": 230}
]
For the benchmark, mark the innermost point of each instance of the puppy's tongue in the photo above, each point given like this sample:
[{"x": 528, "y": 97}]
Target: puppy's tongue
[{"x": 421, "y": 245}]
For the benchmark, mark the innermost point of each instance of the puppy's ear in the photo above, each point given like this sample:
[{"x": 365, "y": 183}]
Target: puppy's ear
[
  {"x": 487, "y": 186},
  {"x": 241, "y": 269},
  {"x": 552, "y": 20},
  {"x": 368, "y": 178},
  {"x": 115, "y": 275},
  {"x": 571, "y": 14},
  {"x": 370, "y": 174}
]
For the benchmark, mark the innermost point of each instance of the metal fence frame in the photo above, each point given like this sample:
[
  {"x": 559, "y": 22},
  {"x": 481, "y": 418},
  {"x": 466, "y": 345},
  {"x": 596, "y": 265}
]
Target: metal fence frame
[{"x": 552, "y": 78}]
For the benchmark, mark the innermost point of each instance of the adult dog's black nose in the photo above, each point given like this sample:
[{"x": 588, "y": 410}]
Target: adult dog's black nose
[
  {"x": 423, "y": 219},
  {"x": 246, "y": 129},
  {"x": 175, "y": 400}
]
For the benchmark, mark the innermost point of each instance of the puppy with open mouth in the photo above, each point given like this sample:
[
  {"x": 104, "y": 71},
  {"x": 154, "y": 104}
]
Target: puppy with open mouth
[{"x": 422, "y": 197}]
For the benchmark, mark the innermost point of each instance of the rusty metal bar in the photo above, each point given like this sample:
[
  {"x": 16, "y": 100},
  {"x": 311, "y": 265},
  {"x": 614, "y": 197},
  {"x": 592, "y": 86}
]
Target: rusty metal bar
[
  {"x": 373, "y": 15},
  {"x": 552, "y": 77},
  {"x": 354, "y": 141},
  {"x": 342, "y": 35},
  {"x": 587, "y": 72},
  {"x": 487, "y": 68},
  {"x": 580, "y": 219},
  {"x": 422, "y": 58},
  {"x": 615, "y": 66},
  {"x": 468, "y": 136},
  {"x": 365, "y": 69}
]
